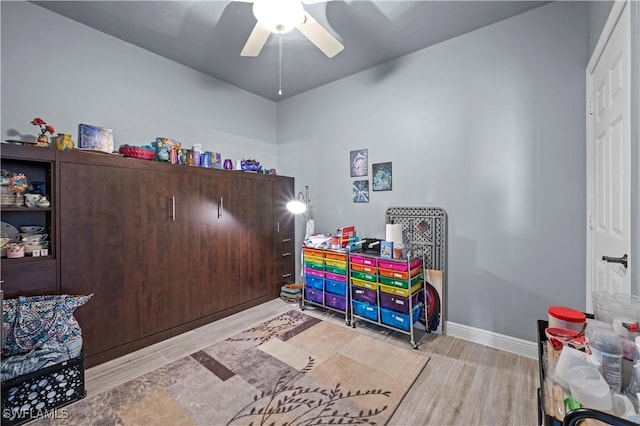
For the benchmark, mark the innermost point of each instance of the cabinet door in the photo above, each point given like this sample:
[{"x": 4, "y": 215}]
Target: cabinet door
[
  {"x": 219, "y": 268},
  {"x": 236, "y": 242},
  {"x": 100, "y": 251},
  {"x": 170, "y": 250},
  {"x": 253, "y": 205},
  {"x": 284, "y": 239}
]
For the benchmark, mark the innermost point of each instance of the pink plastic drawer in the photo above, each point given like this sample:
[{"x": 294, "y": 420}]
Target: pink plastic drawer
[
  {"x": 399, "y": 265},
  {"x": 313, "y": 272},
  {"x": 361, "y": 260},
  {"x": 335, "y": 277}
]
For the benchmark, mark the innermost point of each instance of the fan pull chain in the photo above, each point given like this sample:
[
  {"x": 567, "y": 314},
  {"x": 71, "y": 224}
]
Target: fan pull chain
[{"x": 280, "y": 64}]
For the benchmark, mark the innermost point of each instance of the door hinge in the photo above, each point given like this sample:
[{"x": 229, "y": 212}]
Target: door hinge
[
  {"x": 591, "y": 222},
  {"x": 590, "y": 110}
]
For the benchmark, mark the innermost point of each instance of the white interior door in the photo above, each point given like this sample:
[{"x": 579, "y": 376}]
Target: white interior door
[{"x": 609, "y": 158}]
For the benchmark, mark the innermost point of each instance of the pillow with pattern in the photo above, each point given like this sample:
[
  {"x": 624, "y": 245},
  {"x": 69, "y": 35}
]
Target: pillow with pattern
[
  {"x": 42, "y": 318},
  {"x": 9, "y": 309}
]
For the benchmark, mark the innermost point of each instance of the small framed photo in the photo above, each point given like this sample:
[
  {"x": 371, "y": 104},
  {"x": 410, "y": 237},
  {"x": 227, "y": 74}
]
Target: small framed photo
[
  {"x": 44, "y": 252},
  {"x": 359, "y": 162},
  {"x": 361, "y": 191},
  {"x": 94, "y": 137},
  {"x": 386, "y": 249},
  {"x": 381, "y": 176}
]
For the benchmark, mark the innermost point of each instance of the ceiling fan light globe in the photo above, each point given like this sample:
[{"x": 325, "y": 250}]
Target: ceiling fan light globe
[
  {"x": 279, "y": 16},
  {"x": 296, "y": 206}
]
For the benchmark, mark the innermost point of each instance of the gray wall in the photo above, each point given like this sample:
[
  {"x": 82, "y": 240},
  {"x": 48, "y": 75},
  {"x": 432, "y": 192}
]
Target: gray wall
[
  {"x": 67, "y": 73},
  {"x": 598, "y": 13},
  {"x": 491, "y": 127}
]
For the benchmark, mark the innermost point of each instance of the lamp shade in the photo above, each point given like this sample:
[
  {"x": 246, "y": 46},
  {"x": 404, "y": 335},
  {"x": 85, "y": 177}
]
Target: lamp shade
[
  {"x": 279, "y": 16},
  {"x": 296, "y": 206}
]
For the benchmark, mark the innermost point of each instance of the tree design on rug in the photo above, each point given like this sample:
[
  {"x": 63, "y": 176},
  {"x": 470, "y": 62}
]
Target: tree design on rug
[
  {"x": 306, "y": 406},
  {"x": 265, "y": 331}
]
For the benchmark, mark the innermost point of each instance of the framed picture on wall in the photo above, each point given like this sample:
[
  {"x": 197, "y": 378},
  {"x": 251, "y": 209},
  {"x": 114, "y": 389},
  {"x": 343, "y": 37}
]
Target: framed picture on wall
[
  {"x": 359, "y": 162},
  {"x": 381, "y": 176},
  {"x": 361, "y": 191}
]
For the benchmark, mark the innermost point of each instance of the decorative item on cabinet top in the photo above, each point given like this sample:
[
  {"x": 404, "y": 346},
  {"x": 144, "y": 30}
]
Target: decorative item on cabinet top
[{"x": 94, "y": 137}]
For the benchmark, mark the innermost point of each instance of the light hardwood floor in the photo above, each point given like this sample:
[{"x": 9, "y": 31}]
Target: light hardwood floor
[{"x": 463, "y": 384}]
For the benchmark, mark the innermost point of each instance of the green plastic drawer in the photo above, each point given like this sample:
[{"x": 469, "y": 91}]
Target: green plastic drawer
[
  {"x": 394, "y": 282},
  {"x": 335, "y": 270},
  {"x": 364, "y": 276},
  {"x": 313, "y": 265}
]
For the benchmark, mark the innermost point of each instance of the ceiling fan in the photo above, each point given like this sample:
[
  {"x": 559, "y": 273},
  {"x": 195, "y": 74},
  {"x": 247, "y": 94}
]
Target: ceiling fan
[{"x": 281, "y": 16}]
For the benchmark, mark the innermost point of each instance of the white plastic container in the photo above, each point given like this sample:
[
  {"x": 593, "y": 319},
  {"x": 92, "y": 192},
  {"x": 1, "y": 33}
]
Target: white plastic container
[
  {"x": 589, "y": 388},
  {"x": 563, "y": 317},
  {"x": 606, "y": 349}
]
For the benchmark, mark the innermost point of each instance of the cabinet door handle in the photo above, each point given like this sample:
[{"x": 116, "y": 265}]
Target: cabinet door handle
[
  {"x": 286, "y": 240},
  {"x": 286, "y": 254},
  {"x": 286, "y": 275},
  {"x": 220, "y": 207},
  {"x": 173, "y": 208},
  {"x": 278, "y": 227}
]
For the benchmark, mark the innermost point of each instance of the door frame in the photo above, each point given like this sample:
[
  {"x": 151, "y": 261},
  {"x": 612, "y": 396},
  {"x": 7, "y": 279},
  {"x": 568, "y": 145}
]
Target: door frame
[{"x": 614, "y": 15}]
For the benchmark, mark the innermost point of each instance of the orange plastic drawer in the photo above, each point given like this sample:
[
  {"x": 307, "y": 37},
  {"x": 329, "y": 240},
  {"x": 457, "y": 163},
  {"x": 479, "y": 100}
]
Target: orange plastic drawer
[
  {"x": 313, "y": 252},
  {"x": 335, "y": 256},
  {"x": 364, "y": 268}
]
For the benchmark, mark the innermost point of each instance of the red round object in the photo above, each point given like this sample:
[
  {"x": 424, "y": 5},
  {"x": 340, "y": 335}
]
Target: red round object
[
  {"x": 137, "y": 152},
  {"x": 567, "y": 314}
]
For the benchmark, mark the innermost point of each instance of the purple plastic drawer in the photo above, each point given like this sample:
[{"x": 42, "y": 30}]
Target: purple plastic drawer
[
  {"x": 313, "y": 272},
  {"x": 398, "y": 265},
  {"x": 361, "y": 260},
  {"x": 364, "y": 295},
  {"x": 336, "y": 302},
  {"x": 335, "y": 277},
  {"x": 313, "y": 294},
  {"x": 399, "y": 303}
]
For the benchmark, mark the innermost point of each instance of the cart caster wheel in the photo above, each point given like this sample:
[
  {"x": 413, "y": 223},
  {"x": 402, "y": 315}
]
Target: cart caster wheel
[
  {"x": 353, "y": 324},
  {"x": 302, "y": 308},
  {"x": 348, "y": 322},
  {"x": 414, "y": 346}
]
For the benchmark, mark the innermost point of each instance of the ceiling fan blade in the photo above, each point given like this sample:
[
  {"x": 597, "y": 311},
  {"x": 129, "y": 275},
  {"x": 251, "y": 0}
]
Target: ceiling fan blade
[
  {"x": 319, "y": 36},
  {"x": 256, "y": 41}
]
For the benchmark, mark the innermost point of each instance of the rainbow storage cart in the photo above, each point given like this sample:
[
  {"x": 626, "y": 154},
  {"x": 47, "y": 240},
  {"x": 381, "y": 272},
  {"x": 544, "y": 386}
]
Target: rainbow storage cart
[
  {"x": 387, "y": 292},
  {"x": 325, "y": 280}
]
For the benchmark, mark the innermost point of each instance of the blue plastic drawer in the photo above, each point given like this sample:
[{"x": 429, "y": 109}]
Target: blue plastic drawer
[
  {"x": 335, "y": 287},
  {"x": 365, "y": 310},
  {"x": 398, "y": 320},
  {"x": 315, "y": 282}
]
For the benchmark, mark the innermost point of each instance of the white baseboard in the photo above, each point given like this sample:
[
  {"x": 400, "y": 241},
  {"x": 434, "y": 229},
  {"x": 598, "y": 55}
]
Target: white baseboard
[{"x": 492, "y": 339}]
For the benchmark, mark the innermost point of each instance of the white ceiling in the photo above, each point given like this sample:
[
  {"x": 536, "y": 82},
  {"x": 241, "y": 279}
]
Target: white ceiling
[{"x": 209, "y": 35}]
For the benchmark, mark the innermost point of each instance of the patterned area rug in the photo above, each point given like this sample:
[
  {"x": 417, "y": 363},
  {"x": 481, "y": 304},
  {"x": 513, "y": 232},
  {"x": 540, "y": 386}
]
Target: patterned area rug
[{"x": 291, "y": 370}]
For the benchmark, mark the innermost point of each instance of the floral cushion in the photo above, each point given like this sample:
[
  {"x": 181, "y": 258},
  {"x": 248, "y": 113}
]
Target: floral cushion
[
  {"x": 39, "y": 319},
  {"x": 9, "y": 309}
]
